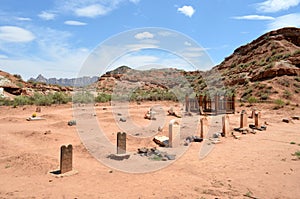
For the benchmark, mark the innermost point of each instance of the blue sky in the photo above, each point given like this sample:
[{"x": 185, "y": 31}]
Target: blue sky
[{"x": 55, "y": 37}]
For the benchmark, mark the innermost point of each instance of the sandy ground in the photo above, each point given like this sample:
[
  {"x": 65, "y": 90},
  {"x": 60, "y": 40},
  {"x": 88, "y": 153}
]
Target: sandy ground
[{"x": 256, "y": 165}]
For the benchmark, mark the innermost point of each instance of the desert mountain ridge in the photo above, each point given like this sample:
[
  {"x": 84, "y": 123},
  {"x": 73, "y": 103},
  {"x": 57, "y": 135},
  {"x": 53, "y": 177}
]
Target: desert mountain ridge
[
  {"x": 267, "y": 68},
  {"x": 71, "y": 82}
]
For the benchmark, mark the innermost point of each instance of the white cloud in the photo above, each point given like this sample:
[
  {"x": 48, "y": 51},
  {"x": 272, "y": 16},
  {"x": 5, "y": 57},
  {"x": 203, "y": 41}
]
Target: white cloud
[
  {"x": 47, "y": 15},
  {"x": 276, "y": 5},
  {"x": 255, "y": 17},
  {"x": 92, "y": 11},
  {"x": 15, "y": 34},
  {"x": 144, "y": 35},
  {"x": 290, "y": 20},
  {"x": 134, "y": 1},
  {"x": 187, "y": 43},
  {"x": 75, "y": 23},
  {"x": 135, "y": 60},
  {"x": 140, "y": 46},
  {"x": 23, "y": 19},
  {"x": 3, "y": 56},
  {"x": 187, "y": 10},
  {"x": 165, "y": 33}
]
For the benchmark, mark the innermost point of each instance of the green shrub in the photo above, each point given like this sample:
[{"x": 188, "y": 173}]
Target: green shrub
[
  {"x": 60, "y": 98},
  {"x": 252, "y": 100},
  {"x": 18, "y": 76},
  {"x": 22, "y": 100},
  {"x": 264, "y": 96},
  {"x": 5, "y": 101},
  {"x": 296, "y": 52},
  {"x": 20, "y": 85},
  {"x": 287, "y": 94},
  {"x": 297, "y": 153},
  {"x": 83, "y": 97},
  {"x": 42, "y": 100},
  {"x": 278, "y": 104},
  {"x": 103, "y": 97}
]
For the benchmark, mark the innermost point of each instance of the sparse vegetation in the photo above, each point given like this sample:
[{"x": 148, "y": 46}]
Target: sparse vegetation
[
  {"x": 296, "y": 52},
  {"x": 252, "y": 100},
  {"x": 297, "y": 153},
  {"x": 103, "y": 97},
  {"x": 287, "y": 94},
  {"x": 20, "y": 85},
  {"x": 278, "y": 104},
  {"x": 297, "y": 79},
  {"x": 18, "y": 76},
  {"x": 83, "y": 97},
  {"x": 37, "y": 99}
]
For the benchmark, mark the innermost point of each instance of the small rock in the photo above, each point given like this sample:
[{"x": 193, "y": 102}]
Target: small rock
[
  {"x": 122, "y": 119},
  {"x": 142, "y": 150},
  {"x": 104, "y": 108},
  {"x": 296, "y": 117},
  {"x": 286, "y": 120},
  {"x": 263, "y": 128},
  {"x": 197, "y": 139},
  {"x": 216, "y": 135},
  {"x": 72, "y": 123},
  {"x": 170, "y": 157}
]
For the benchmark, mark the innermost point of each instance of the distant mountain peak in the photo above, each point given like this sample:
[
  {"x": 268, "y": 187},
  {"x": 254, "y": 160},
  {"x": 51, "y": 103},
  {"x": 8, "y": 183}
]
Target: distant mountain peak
[{"x": 77, "y": 82}]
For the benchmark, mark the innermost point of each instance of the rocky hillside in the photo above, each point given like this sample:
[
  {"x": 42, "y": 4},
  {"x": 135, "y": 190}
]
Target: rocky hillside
[
  {"x": 267, "y": 68},
  {"x": 13, "y": 85},
  {"x": 76, "y": 82}
]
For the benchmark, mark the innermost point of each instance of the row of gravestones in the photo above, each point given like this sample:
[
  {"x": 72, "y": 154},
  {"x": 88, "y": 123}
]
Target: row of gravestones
[
  {"x": 225, "y": 123},
  {"x": 66, "y": 152}
]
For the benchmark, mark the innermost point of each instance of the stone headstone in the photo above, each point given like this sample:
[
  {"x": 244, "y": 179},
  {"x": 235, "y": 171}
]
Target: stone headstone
[
  {"x": 203, "y": 127},
  {"x": 201, "y": 110},
  {"x": 174, "y": 134},
  {"x": 66, "y": 156},
  {"x": 121, "y": 143},
  {"x": 243, "y": 120},
  {"x": 257, "y": 119},
  {"x": 225, "y": 125},
  {"x": 252, "y": 113}
]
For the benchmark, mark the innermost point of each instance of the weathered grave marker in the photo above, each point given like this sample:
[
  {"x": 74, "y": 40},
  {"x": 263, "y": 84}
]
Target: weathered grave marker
[
  {"x": 66, "y": 156},
  {"x": 225, "y": 125},
  {"x": 243, "y": 120},
  {"x": 174, "y": 134},
  {"x": 257, "y": 121},
  {"x": 121, "y": 143},
  {"x": 252, "y": 113},
  {"x": 203, "y": 127}
]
